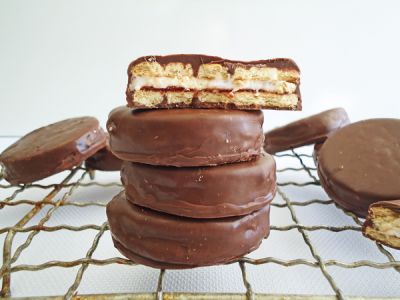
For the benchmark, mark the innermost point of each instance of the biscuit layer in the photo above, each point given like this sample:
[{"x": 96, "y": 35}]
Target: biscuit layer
[
  {"x": 205, "y": 81},
  {"x": 383, "y": 224}
]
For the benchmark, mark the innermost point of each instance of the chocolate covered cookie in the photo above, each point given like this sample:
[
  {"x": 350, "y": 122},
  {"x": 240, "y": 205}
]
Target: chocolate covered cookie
[
  {"x": 383, "y": 223},
  {"x": 164, "y": 241},
  {"x": 52, "y": 149},
  {"x": 185, "y": 137},
  {"x": 202, "y": 192},
  {"x": 104, "y": 160},
  {"x": 359, "y": 164},
  {"x": 202, "y": 81},
  {"x": 307, "y": 131}
]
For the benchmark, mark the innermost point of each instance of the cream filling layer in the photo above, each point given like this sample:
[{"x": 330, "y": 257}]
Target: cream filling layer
[{"x": 193, "y": 83}]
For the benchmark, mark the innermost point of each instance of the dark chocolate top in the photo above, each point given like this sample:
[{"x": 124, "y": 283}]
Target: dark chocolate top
[
  {"x": 196, "y": 60},
  {"x": 310, "y": 130}
]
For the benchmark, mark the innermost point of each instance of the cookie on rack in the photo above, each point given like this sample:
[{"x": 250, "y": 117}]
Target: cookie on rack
[
  {"x": 202, "y": 81},
  {"x": 359, "y": 164},
  {"x": 383, "y": 223},
  {"x": 307, "y": 131},
  {"x": 165, "y": 241},
  {"x": 52, "y": 149}
]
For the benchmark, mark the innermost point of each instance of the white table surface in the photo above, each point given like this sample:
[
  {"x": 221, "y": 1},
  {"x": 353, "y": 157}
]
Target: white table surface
[{"x": 63, "y": 245}]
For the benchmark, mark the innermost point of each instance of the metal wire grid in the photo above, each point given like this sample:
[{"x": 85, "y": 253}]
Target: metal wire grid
[{"x": 9, "y": 258}]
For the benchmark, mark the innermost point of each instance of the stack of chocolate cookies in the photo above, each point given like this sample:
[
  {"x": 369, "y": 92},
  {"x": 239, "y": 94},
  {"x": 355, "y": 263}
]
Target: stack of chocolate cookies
[{"x": 197, "y": 185}]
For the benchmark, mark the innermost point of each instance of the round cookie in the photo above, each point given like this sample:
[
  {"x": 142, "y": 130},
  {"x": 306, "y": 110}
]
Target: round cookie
[
  {"x": 185, "y": 137},
  {"x": 360, "y": 164},
  {"x": 52, "y": 149},
  {"x": 202, "y": 192},
  {"x": 165, "y": 241},
  {"x": 104, "y": 160},
  {"x": 307, "y": 131}
]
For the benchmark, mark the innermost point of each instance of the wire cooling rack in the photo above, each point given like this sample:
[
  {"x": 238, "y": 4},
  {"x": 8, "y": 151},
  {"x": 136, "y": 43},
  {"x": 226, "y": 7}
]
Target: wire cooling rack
[{"x": 32, "y": 223}]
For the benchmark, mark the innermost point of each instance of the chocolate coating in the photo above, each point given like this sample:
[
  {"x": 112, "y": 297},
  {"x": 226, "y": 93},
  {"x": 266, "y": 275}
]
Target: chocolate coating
[
  {"x": 166, "y": 241},
  {"x": 307, "y": 131},
  {"x": 52, "y": 149},
  {"x": 393, "y": 205},
  {"x": 315, "y": 154},
  {"x": 104, "y": 160},
  {"x": 205, "y": 192},
  {"x": 185, "y": 137},
  {"x": 360, "y": 164},
  {"x": 196, "y": 60}
]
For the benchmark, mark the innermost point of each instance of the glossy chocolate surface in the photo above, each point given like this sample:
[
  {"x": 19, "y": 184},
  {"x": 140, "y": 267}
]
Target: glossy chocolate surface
[
  {"x": 168, "y": 241},
  {"x": 52, "y": 149},
  {"x": 202, "y": 192},
  {"x": 360, "y": 164},
  {"x": 185, "y": 137},
  {"x": 307, "y": 131}
]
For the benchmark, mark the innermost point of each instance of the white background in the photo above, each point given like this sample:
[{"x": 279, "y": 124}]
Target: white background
[{"x": 60, "y": 59}]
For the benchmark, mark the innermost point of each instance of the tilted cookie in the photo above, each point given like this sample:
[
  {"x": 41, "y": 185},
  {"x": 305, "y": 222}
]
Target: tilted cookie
[{"x": 51, "y": 149}]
